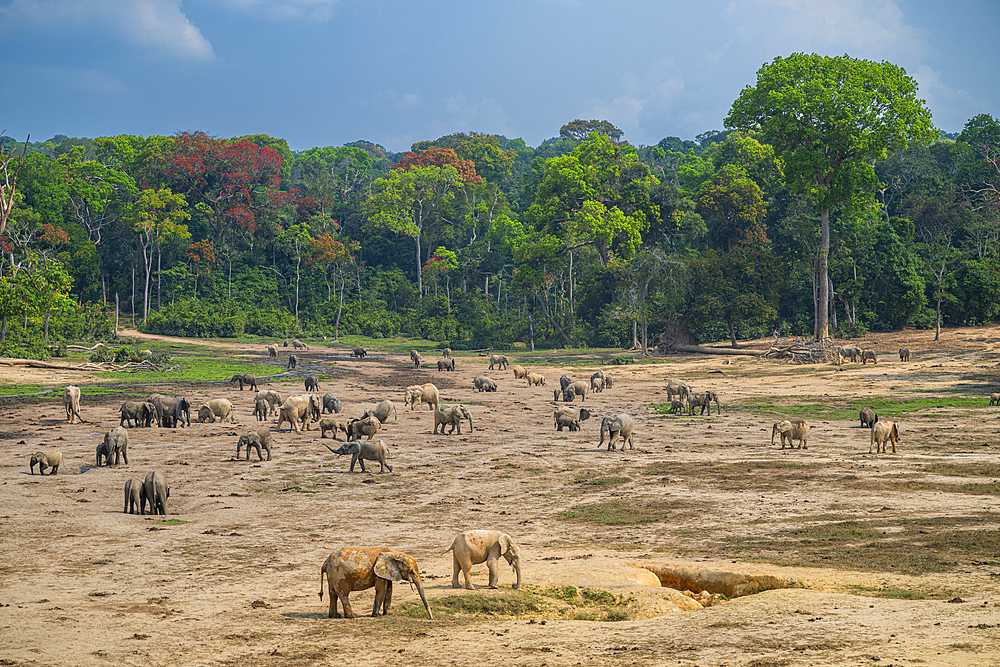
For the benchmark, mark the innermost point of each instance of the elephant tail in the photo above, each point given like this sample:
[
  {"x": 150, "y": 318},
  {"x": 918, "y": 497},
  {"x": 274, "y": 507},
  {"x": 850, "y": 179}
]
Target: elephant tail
[{"x": 322, "y": 571}]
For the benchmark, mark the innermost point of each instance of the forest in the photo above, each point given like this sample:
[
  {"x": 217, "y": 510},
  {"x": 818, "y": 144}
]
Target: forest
[{"x": 828, "y": 206}]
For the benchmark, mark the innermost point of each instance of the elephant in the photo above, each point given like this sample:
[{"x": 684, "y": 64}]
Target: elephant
[
  {"x": 171, "y": 410},
  {"x": 483, "y": 383},
  {"x": 272, "y": 352},
  {"x": 869, "y": 355},
  {"x": 46, "y": 460},
  {"x": 272, "y": 397},
  {"x": 312, "y": 383},
  {"x": 116, "y": 444},
  {"x": 142, "y": 413},
  {"x": 994, "y": 399},
  {"x": 256, "y": 440},
  {"x": 364, "y": 451},
  {"x": 676, "y": 405},
  {"x": 867, "y": 417},
  {"x": 703, "y": 400},
  {"x": 352, "y": 569},
  {"x": 454, "y": 416},
  {"x": 245, "y": 379},
  {"x": 570, "y": 418},
  {"x": 133, "y": 497},
  {"x": 331, "y": 424},
  {"x": 556, "y": 393},
  {"x": 616, "y": 425},
  {"x": 415, "y": 358},
  {"x": 156, "y": 492},
  {"x": 498, "y": 360},
  {"x": 519, "y": 371},
  {"x": 848, "y": 352},
  {"x": 260, "y": 410},
  {"x": 679, "y": 387},
  {"x": 605, "y": 381},
  {"x": 383, "y": 410},
  {"x": 565, "y": 381},
  {"x": 789, "y": 430},
  {"x": 597, "y": 385},
  {"x": 883, "y": 432},
  {"x": 535, "y": 379},
  {"x": 299, "y": 345},
  {"x": 904, "y": 354},
  {"x": 484, "y": 546},
  {"x": 446, "y": 364},
  {"x": 331, "y": 404},
  {"x": 292, "y": 361},
  {"x": 71, "y": 398},
  {"x": 365, "y": 426},
  {"x": 578, "y": 388},
  {"x": 297, "y": 409},
  {"x": 285, "y": 344},
  {"x": 220, "y": 408},
  {"x": 446, "y": 353},
  {"x": 359, "y": 352},
  {"x": 425, "y": 393}
]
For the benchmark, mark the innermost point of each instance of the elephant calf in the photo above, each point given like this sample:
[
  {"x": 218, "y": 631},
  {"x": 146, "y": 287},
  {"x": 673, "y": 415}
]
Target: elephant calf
[
  {"x": 994, "y": 399},
  {"x": 483, "y": 383},
  {"x": 217, "y": 408},
  {"x": 142, "y": 413},
  {"x": 676, "y": 405},
  {"x": 869, "y": 355},
  {"x": 790, "y": 431},
  {"x": 260, "y": 410},
  {"x": 261, "y": 438},
  {"x": 331, "y": 404},
  {"x": 867, "y": 417},
  {"x": 46, "y": 460},
  {"x": 904, "y": 354},
  {"x": 620, "y": 425},
  {"x": 484, "y": 546},
  {"x": 245, "y": 379},
  {"x": 883, "y": 432},
  {"x": 71, "y": 398},
  {"x": 359, "y": 352},
  {"x": 535, "y": 379},
  {"x": 156, "y": 492},
  {"x": 331, "y": 424},
  {"x": 133, "y": 497},
  {"x": 364, "y": 451},
  {"x": 365, "y": 426},
  {"x": 115, "y": 443},
  {"x": 570, "y": 418},
  {"x": 453, "y": 416}
]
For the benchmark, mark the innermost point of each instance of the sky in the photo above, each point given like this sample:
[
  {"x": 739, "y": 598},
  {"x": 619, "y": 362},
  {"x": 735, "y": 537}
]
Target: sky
[{"x": 328, "y": 72}]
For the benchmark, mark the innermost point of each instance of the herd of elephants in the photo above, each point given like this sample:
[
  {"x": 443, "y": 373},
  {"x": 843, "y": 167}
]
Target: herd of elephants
[{"x": 355, "y": 569}]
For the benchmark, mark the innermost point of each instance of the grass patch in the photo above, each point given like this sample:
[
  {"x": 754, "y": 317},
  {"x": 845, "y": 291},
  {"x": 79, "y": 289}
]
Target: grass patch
[
  {"x": 590, "y": 604},
  {"x": 964, "y": 469},
  {"x": 172, "y": 522},
  {"x": 602, "y": 481},
  {"x": 513, "y": 603},
  {"x": 729, "y": 624},
  {"x": 848, "y": 411},
  {"x": 625, "y": 512},
  {"x": 214, "y": 367},
  {"x": 894, "y": 593}
]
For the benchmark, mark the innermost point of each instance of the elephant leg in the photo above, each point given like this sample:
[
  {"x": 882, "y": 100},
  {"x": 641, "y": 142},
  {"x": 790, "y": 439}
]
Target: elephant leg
[
  {"x": 346, "y": 604},
  {"x": 494, "y": 572},
  {"x": 466, "y": 564},
  {"x": 362, "y": 462},
  {"x": 455, "y": 569},
  {"x": 380, "y": 593}
]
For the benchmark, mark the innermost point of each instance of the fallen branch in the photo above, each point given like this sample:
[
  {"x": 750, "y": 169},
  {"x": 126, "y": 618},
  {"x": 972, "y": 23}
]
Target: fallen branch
[
  {"x": 85, "y": 349},
  {"x": 701, "y": 349}
]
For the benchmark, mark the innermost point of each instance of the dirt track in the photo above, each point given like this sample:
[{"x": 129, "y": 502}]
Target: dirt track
[{"x": 236, "y": 583}]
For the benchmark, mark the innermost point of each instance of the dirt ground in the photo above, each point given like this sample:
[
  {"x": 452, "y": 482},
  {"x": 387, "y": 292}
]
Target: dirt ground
[{"x": 827, "y": 556}]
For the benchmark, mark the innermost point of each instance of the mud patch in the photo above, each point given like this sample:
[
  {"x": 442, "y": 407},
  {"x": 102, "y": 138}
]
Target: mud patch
[{"x": 719, "y": 582}]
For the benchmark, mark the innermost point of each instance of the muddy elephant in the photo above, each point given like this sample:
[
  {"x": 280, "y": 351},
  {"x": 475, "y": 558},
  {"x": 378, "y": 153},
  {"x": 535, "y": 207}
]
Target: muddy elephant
[
  {"x": 869, "y": 355},
  {"x": 617, "y": 425},
  {"x": 332, "y": 424},
  {"x": 605, "y": 381},
  {"x": 359, "y": 352},
  {"x": 422, "y": 393},
  {"x": 46, "y": 460},
  {"x": 115, "y": 444},
  {"x": 362, "y": 451},
  {"x": 156, "y": 492},
  {"x": 790, "y": 431},
  {"x": 446, "y": 365},
  {"x": 867, "y": 417},
  {"x": 351, "y": 569},
  {"x": 484, "y": 546},
  {"x": 446, "y": 353},
  {"x": 171, "y": 410},
  {"x": 312, "y": 383},
  {"x": 299, "y": 345},
  {"x": 416, "y": 358},
  {"x": 703, "y": 400},
  {"x": 574, "y": 389},
  {"x": 331, "y": 404},
  {"x": 217, "y": 408},
  {"x": 994, "y": 399},
  {"x": 565, "y": 416},
  {"x": 564, "y": 381},
  {"x": 535, "y": 379},
  {"x": 260, "y": 410},
  {"x": 272, "y": 352},
  {"x": 451, "y": 416},
  {"x": 143, "y": 413},
  {"x": 272, "y": 397},
  {"x": 519, "y": 371},
  {"x": 248, "y": 379},
  {"x": 366, "y": 426},
  {"x": 71, "y": 399},
  {"x": 597, "y": 385},
  {"x": 383, "y": 410},
  {"x": 133, "y": 496},
  {"x": 498, "y": 360},
  {"x": 882, "y": 433},
  {"x": 298, "y": 409},
  {"x": 483, "y": 383},
  {"x": 904, "y": 354},
  {"x": 679, "y": 387},
  {"x": 258, "y": 439}
]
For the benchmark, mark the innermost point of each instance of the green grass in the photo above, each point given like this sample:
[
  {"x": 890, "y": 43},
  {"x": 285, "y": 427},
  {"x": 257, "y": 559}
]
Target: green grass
[
  {"x": 964, "y": 469},
  {"x": 200, "y": 368},
  {"x": 172, "y": 522},
  {"x": 513, "y": 603},
  {"x": 602, "y": 481}
]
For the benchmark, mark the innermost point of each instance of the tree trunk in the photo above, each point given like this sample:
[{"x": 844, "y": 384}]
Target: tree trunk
[
  {"x": 531, "y": 330},
  {"x": 45, "y": 334},
  {"x": 420, "y": 277},
  {"x": 340, "y": 309},
  {"x": 3, "y": 329},
  {"x": 545, "y": 312},
  {"x": 159, "y": 274},
  {"x": 823, "y": 310},
  {"x": 937, "y": 327},
  {"x": 732, "y": 333},
  {"x": 833, "y": 308},
  {"x": 572, "y": 319}
]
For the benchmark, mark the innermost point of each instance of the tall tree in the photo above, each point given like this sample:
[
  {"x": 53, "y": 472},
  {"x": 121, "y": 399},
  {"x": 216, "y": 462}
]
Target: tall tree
[
  {"x": 10, "y": 168},
  {"x": 829, "y": 119},
  {"x": 156, "y": 218},
  {"x": 581, "y": 129}
]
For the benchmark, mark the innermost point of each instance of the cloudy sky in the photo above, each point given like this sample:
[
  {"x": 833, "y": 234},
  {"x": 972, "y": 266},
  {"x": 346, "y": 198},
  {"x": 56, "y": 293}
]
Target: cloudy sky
[{"x": 326, "y": 72}]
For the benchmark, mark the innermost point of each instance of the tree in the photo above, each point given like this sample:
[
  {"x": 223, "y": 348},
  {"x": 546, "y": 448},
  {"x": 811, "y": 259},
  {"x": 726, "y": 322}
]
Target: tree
[
  {"x": 936, "y": 225},
  {"x": 297, "y": 238},
  {"x": 326, "y": 250},
  {"x": 829, "y": 119},
  {"x": 156, "y": 218},
  {"x": 8, "y": 180},
  {"x": 581, "y": 129},
  {"x": 738, "y": 205}
]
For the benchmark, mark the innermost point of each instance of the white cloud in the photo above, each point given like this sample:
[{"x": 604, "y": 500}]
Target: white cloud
[
  {"x": 312, "y": 10},
  {"x": 158, "y": 24}
]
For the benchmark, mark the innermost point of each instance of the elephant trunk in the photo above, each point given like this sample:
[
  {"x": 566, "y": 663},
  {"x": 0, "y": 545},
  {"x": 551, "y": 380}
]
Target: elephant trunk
[
  {"x": 774, "y": 432},
  {"x": 423, "y": 598},
  {"x": 470, "y": 424},
  {"x": 517, "y": 571}
]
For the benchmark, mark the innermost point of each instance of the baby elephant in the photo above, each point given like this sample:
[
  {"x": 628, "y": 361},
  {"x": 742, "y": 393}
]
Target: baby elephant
[
  {"x": 312, "y": 383},
  {"x": 46, "y": 460},
  {"x": 446, "y": 365},
  {"x": 115, "y": 443},
  {"x": 331, "y": 424},
  {"x": 133, "y": 496},
  {"x": 994, "y": 399},
  {"x": 260, "y": 409},
  {"x": 364, "y": 451},
  {"x": 220, "y": 408},
  {"x": 676, "y": 406},
  {"x": 483, "y": 383},
  {"x": 256, "y": 440},
  {"x": 904, "y": 354},
  {"x": 484, "y": 546}
]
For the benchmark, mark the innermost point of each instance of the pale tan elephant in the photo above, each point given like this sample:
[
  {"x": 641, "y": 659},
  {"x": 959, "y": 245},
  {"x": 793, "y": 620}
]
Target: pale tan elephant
[
  {"x": 71, "y": 397},
  {"x": 217, "y": 408},
  {"x": 484, "y": 546},
  {"x": 353, "y": 569}
]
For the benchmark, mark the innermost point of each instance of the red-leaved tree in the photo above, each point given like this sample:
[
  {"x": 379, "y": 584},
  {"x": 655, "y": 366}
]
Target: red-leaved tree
[{"x": 435, "y": 156}]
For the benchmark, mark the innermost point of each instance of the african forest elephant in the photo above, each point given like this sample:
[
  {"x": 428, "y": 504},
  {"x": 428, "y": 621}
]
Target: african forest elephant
[
  {"x": 498, "y": 360},
  {"x": 71, "y": 398},
  {"x": 383, "y": 410},
  {"x": 292, "y": 361},
  {"x": 116, "y": 444},
  {"x": 679, "y": 387},
  {"x": 142, "y": 413},
  {"x": 133, "y": 496},
  {"x": 272, "y": 352},
  {"x": 156, "y": 491},
  {"x": 331, "y": 424},
  {"x": 703, "y": 400},
  {"x": 535, "y": 379},
  {"x": 298, "y": 409},
  {"x": 867, "y": 417},
  {"x": 574, "y": 389},
  {"x": 368, "y": 425},
  {"x": 446, "y": 364},
  {"x": 570, "y": 418},
  {"x": 415, "y": 358},
  {"x": 261, "y": 438},
  {"x": 994, "y": 399},
  {"x": 299, "y": 345},
  {"x": 217, "y": 408},
  {"x": 620, "y": 425},
  {"x": 519, "y": 371},
  {"x": 904, "y": 354},
  {"x": 484, "y": 546},
  {"x": 272, "y": 397},
  {"x": 451, "y": 415},
  {"x": 789, "y": 431},
  {"x": 884, "y": 432},
  {"x": 362, "y": 451},
  {"x": 46, "y": 460},
  {"x": 171, "y": 410},
  {"x": 359, "y": 352},
  {"x": 869, "y": 355},
  {"x": 483, "y": 383},
  {"x": 352, "y": 569},
  {"x": 312, "y": 383},
  {"x": 245, "y": 379},
  {"x": 422, "y": 393},
  {"x": 331, "y": 404}
]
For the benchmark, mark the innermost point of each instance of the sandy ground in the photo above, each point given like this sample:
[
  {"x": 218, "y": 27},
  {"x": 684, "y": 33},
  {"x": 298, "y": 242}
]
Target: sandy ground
[{"x": 235, "y": 583}]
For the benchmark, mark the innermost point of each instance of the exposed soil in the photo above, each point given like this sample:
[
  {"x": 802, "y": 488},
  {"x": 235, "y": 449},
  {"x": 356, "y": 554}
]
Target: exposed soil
[{"x": 823, "y": 556}]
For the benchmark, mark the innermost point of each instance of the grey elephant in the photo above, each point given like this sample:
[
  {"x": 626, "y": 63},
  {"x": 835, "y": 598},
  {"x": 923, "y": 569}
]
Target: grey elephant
[
  {"x": 383, "y": 410},
  {"x": 535, "y": 379},
  {"x": 597, "y": 385},
  {"x": 272, "y": 397},
  {"x": 904, "y": 354},
  {"x": 46, "y": 460},
  {"x": 171, "y": 410},
  {"x": 115, "y": 444},
  {"x": 292, "y": 361},
  {"x": 312, "y": 383},
  {"x": 676, "y": 405},
  {"x": 451, "y": 415},
  {"x": 359, "y": 352},
  {"x": 519, "y": 371},
  {"x": 217, "y": 408},
  {"x": 133, "y": 496},
  {"x": 260, "y": 409},
  {"x": 574, "y": 389},
  {"x": 570, "y": 418},
  {"x": 350, "y": 569},
  {"x": 446, "y": 364},
  {"x": 245, "y": 379},
  {"x": 498, "y": 360},
  {"x": 261, "y": 438},
  {"x": 703, "y": 400},
  {"x": 483, "y": 383},
  {"x": 156, "y": 492},
  {"x": 362, "y": 451},
  {"x": 272, "y": 352},
  {"x": 617, "y": 425},
  {"x": 331, "y": 404},
  {"x": 446, "y": 353},
  {"x": 564, "y": 381},
  {"x": 331, "y": 424},
  {"x": 605, "y": 381},
  {"x": 484, "y": 546},
  {"x": 142, "y": 413},
  {"x": 679, "y": 387},
  {"x": 869, "y": 355},
  {"x": 790, "y": 431},
  {"x": 71, "y": 399},
  {"x": 867, "y": 417},
  {"x": 299, "y": 345},
  {"x": 367, "y": 425},
  {"x": 994, "y": 399}
]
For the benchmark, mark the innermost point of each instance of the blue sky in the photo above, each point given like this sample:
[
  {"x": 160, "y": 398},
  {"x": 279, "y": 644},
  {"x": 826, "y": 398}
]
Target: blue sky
[{"x": 327, "y": 72}]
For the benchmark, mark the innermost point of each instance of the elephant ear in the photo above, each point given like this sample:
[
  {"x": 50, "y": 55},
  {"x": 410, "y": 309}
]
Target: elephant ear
[
  {"x": 505, "y": 544},
  {"x": 387, "y": 567},
  {"x": 584, "y": 414}
]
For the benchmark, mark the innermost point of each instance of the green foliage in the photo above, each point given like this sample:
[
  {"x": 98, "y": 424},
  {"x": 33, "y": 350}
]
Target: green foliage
[{"x": 204, "y": 319}]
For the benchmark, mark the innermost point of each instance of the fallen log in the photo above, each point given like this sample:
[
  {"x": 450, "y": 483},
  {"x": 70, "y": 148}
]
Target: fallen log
[
  {"x": 701, "y": 349},
  {"x": 33, "y": 363}
]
